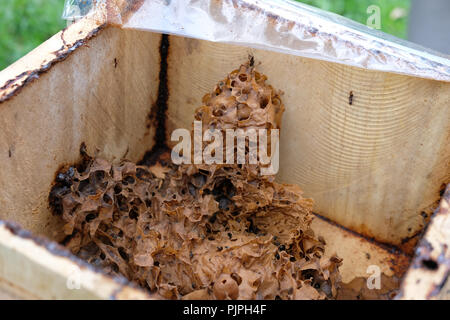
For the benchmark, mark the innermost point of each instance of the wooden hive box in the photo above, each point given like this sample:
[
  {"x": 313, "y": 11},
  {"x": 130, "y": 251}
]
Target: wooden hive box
[{"x": 376, "y": 166}]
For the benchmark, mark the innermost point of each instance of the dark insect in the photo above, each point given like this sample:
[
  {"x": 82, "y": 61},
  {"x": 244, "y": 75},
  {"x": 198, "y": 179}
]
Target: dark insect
[
  {"x": 252, "y": 60},
  {"x": 115, "y": 63},
  {"x": 350, "y": 98}
]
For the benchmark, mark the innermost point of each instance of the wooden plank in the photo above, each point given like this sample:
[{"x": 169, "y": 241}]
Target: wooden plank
[
  {"x": 100, "y": 95},
  {"x": 35, "y": 268},
  {"x": 358, "y": 253},
  {"x": 371, "y": 171},
  {"x": 38, "y": 268},
  {"x": 364, "y": 263},
  {"x": 42, "y": 58},
  {"x": 372, "y": 166},
  {"x": 9, "y": 291},
  {"x": 428, "y": 276}
]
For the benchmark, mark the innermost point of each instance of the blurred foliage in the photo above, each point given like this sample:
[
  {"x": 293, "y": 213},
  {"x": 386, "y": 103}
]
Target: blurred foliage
[
  {"x": 394, "y": 13},
  {"x": 24, "y": 24}
]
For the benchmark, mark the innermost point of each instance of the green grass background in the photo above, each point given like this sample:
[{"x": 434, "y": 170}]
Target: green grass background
[
  {"x": 24, "y": 24},
  {"x": 357, "y": 10}
]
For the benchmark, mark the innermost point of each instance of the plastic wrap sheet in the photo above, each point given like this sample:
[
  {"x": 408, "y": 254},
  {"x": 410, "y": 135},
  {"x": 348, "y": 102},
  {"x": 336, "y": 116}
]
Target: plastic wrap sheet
[{"x": 277, "y": 25}]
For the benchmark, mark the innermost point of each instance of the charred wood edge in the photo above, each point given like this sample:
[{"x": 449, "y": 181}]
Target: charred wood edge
[
  {"x": 60, "y": 55},
  {"x": 58, "y": 250},
  {"x": 158, "y": 112},
  {"x": 423, "y": 259},
  {"x": 31, "y": 75}
]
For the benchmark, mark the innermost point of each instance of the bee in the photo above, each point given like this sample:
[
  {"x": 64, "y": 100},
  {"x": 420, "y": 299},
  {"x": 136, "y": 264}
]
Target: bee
[
  {"x": 252, "y": 60},
  {"x": 350, "y": 98}
]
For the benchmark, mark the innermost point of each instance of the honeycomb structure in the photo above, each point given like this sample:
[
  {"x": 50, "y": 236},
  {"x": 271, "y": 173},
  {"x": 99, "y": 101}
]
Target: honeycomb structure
[{"x": 218, "y": 231}]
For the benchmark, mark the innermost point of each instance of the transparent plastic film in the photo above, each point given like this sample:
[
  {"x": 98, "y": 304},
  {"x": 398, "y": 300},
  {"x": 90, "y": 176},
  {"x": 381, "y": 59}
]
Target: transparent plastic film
[
  {"x": 277, "y": 25},
  {"x": 102, "y": 11},
  {"x": 76, "y": 9}
]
